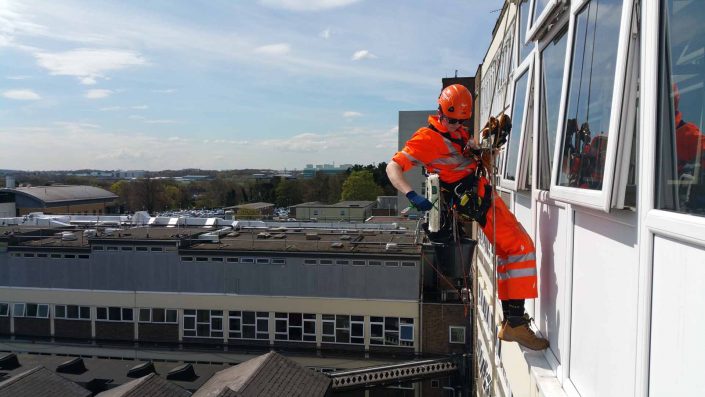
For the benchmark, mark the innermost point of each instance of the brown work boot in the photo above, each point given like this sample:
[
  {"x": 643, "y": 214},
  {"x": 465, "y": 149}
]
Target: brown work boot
[{"x": 523, "y": 335}]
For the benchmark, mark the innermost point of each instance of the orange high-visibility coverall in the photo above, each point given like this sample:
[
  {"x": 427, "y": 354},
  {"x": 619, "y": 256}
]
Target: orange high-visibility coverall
[{"x": 441, "y": 152}]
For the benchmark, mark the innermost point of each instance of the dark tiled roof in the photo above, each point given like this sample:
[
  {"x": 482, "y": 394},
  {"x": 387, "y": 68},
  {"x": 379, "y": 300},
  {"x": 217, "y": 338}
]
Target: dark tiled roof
[
  {"x": 149, "y": 385},
  {"x": 39, "y": 382},
  {"x": 62, "y": 193},
  {"x": 268, "y": 375}
]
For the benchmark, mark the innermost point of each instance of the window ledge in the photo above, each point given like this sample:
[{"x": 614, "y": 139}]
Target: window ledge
[{"x": 543, "y": 375}]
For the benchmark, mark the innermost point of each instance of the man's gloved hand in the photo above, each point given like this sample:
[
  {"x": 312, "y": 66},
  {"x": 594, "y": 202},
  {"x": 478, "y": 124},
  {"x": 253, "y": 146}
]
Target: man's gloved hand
[{"x": 419, "y": 202}]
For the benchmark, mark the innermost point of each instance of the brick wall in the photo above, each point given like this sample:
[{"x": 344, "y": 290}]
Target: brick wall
[
  {"x": 437, "y": 318},
  {"x": 76, "y": 329},
  {"x": 108, "y": 330},
  {"x": 158, "y": 332},
  {"x": 33, "y": 327},
  {"x": 4, "y": 325}
]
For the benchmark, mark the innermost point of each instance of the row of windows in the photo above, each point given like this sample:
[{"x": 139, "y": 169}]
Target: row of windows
[
  {"x": 127, "y": 248},
  {"x": 259, "y": 261},
  {"x": 282, "y": 261},
  {"x": 47, "y": 255},
  {"x": 297, "y": 327}
]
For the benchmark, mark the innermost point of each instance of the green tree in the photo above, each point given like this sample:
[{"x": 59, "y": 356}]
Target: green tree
[
  {"x": 360, "y": 185},
  {"x": 288, "y": 193}
]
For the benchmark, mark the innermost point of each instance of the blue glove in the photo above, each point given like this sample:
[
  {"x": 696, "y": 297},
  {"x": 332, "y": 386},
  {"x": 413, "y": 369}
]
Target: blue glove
[{"x": 419, "y": 202}]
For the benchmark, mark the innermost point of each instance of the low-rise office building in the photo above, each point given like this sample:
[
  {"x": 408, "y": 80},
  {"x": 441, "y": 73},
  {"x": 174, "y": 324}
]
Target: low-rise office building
[
  {"x": 350, "y": 211},
  {"x": 58, "y": 199}
]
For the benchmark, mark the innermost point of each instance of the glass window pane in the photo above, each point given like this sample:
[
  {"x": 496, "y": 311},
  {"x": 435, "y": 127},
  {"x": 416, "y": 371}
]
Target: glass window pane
[
  {"x": 310, "y": 327},
  {"x": 127, "y": 314},
  {"x": 43, "y": 311},
  {"x": 357, "y": 330},
  {"x": 295, "y": 319},
  {"x": 248, "y": 317},
  {"x": 158, "y": 315},
  {"x": 280, "y": 326},
  {"x": 376, "y": 331},
  {"x": 681, "y": 151},
  {"x": 31, "y": 310},
  {"x": 328, "y": 328},
  {"x": 590, "y": 88},
  {"x": 114, "y": 314},
  {"x": 342, "y": 336},
  {"x": 539, "y": 6},
  {"x": 85, "y": 312},
  {"x": 71, "y": 310},
  {"x": 294, "y": 333},
  {"x": 60, "y": 311},
  {"x": 189, "y": 323},
  {"x": 234, "y": 324},
  {"x": 203, "y": 330},
  {"x": 342, "y": 321},
  {"x": 406, "y": 332},
  {"x": 203, "y": 316},
  {"x": 524, "y": 50},
  {"x": 171, "y": 316},
  {"x": 512, "y": 155},
  {"x": 262, "y": 325},
  {"x": 217, "y": 323},
  {"x": 102, "y": 313},
  {"x": 248, "y": 331},
  {"x": 552, "y": 62},
  {"x": 144, "y": 315}
]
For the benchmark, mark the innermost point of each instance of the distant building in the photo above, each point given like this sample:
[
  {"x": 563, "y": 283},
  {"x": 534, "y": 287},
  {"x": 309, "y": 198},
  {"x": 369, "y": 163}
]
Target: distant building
[
  {"x": 409, "y": 122},
  {"x": 57, "y": 199},
  {"x": 328, "y": 169},
  {"x": 356, "y": 211},
  {"x": 264, "y": 209},
  {"x": 386, "y": 206}
]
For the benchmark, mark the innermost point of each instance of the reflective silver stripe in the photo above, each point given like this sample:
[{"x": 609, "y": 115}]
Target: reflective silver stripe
[
  {"x": 411, "y": 158},
  {"x": 529, "y": 271},
  {"x": 516, "y": 259}
]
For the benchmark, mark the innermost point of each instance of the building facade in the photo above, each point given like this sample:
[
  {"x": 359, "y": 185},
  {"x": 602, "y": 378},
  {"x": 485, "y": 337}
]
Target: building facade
[{"x": 350, "y": 211}]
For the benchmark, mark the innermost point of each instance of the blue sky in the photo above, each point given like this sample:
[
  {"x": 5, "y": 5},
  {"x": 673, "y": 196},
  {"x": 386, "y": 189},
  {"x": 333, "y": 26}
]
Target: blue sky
[{"x": 224, "y": 84}]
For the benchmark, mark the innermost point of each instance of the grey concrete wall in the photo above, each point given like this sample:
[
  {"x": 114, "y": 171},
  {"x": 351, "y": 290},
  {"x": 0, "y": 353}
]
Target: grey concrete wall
[
  {"x": 166, "y": 272},
  {"x": 409, "y": 122}
]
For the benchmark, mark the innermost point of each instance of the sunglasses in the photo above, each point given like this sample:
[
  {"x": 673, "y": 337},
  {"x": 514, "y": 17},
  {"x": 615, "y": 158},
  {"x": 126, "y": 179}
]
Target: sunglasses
[{"x": 455, "y": 121}]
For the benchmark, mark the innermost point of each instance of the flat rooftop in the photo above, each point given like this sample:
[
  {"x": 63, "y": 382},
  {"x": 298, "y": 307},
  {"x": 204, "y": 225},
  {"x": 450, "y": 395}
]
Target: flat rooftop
[{"x": 217, "y": 238}]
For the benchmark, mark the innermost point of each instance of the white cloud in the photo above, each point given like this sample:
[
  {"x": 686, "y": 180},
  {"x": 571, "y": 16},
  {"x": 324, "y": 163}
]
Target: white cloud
[
  {"x": 140, "y": 107},
  {"x": 325, "y": 34},
  {"x": 350, "y": 114},
  {"x": 307, "y": 5},
  {"x": 160, "y": 121},
  {"x": 166, "y": 91},
  {"x": 97, "y": 94},
  {"x": 21, "y": 95},
  {"x": 363, "y": 54},
  {"x": 17, "y": 77},
  {"x": 274, "y": 49},
  {"x": 135, "y": 117},
  {"x": 110, "y": 108},
  {"x": 88, "y": 64}
]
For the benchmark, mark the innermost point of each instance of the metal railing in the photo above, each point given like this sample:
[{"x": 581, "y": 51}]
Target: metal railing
[{"x": 393, "y": 374}]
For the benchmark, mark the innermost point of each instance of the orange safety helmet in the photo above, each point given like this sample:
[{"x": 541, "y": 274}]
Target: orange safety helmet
[{"x": 455, "y": 102}]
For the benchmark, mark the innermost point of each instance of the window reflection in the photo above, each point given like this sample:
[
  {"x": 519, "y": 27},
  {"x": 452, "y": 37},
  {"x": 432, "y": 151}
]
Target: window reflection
[
  {"x": 524, "y": 49},
  {"x": 510, "y": 167},
  {"x": 590, "y": 95},
  {"x": 539, "y": 6},
  {"x": 681, "y": 183},
  {"x": 552, "y": 61}
]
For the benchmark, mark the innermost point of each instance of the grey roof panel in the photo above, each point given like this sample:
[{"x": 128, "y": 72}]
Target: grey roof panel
[
  {"x": 38, "y": 382},
  {"x": 63, "y": 193}
]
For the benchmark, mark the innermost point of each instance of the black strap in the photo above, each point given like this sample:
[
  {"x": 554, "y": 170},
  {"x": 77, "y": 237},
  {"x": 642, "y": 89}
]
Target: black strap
[{"x": 458, "y": 141}]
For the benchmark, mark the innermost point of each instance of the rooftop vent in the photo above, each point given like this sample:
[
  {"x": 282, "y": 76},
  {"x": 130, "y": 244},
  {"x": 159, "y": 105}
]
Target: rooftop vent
[
  {"x": 263, "y": 235},
  {"x": 9, "y": 361},
  {"x": 312, "y": 236},
  {"x": 68, "y": 236},
  {"x": 391, "y": 247},
  {"x": 73, "y": 366},
  {"x": 182, "y": 372},
  {"x": 141, "y": 370},
  {"x": 336, "y": 244},
  {"x": 345, "y": 237},
  {"x": 279, "y": 235}
]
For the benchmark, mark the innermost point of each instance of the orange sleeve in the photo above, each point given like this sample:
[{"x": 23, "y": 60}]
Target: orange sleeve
[
  {"x": 688, "y": 138},
  {"x": 415, "y": 152}
]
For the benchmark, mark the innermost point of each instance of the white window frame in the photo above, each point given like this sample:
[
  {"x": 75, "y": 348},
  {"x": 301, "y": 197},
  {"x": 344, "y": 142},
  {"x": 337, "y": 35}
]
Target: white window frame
[
  {"x": 22, "y": 313},
  {"x": 4, "y": 309},
  {"x": 66, "y": 312},
  {"x": 259, "y": 333},
  {"x": 384, "y": 342},
  {"x": 538, "y": 87},
  {"x": 519, "y": 182},
  {"x": 212, "y": 315},
  {"x": 349, "y": 328},
  {"x": 107, "y": 314},
  {"x": 517, "y": 32},
  {"x": 150, "y": 315},
  {"x": 535, "y": 27},
  {"x": 284, "y": 336},
  {"x": 597, "y": 199},
  {"x": 450, "y": 334}
]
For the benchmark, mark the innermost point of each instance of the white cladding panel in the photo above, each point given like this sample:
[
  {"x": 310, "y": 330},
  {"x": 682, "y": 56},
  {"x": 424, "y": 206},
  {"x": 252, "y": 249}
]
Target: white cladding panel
[
  {"x": 677, "y": 321},
  {"x": 604, "y": 301},
  {"x": 551, "y": 255}
]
